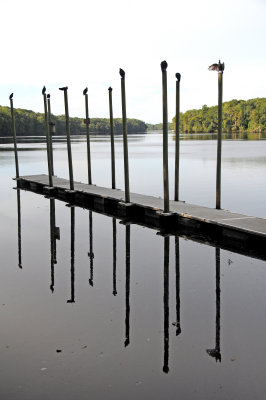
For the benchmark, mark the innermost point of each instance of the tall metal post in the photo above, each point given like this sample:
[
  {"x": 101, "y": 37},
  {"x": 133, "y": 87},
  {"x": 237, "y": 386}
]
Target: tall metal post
[
  {"x": 219, "y": 144},
  {"x": 177, "y": 139},
  {"x": 220, "y": 69},
  {"x": 124, "y": 114},
  {"x": 70, "y": 167},
  {"x": 87, "y": 123},
  {"x": 165, "y": 137},
  {"x": 14, "y": 134},
  {"x": 48, "y": 146},
  {"x": 112, "y": 137},
  {"x": 50, "y": 132}
]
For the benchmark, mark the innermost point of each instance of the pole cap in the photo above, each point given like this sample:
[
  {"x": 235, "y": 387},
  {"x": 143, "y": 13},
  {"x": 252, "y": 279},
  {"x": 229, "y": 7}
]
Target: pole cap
[
  {"x": 122, "y": 73},
  {"x": 44, "y": 90},
  {"x": 110, "y": 89},
  {"x": 63, "y": 88},
  {"x": 164, "y": 65},
  {"x": 178, "y": 76},
  {"x": 11, "y": 96},
  {"x": 85, "y": 91}
]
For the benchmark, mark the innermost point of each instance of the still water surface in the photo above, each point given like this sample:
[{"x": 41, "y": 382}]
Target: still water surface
[{"x": 101, "y": 310}]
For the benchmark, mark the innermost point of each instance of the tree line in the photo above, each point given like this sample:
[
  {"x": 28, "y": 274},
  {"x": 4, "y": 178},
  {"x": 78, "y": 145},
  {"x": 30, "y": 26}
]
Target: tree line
[
  {"x": 30, "y": 123},
  {"x": 238, "y": 116}
]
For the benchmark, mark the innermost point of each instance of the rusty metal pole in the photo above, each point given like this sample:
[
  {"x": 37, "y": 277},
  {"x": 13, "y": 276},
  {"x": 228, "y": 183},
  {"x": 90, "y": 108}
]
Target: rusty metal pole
[
  {"x": 70, "y": 167},
  {"x": 165, "y": 137},
  {"x": 112, "y": 137},
  {"x": 124, "y": 114},
  {"x": 47, "y": 137},
  {"x": 87, "y": 123},
  {"x": 14, "y": 134},
  {"x": 177, "y": 139}
]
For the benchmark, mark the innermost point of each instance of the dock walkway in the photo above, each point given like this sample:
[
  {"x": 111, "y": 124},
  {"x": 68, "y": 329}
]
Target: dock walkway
[{"x": 237, "y": 230}]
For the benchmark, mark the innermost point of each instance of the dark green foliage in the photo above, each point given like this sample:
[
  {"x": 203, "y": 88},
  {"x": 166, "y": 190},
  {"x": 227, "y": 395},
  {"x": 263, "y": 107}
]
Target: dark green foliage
[
  {"x": 238, "y": 116},
  {"x": 29, "y": 123}
]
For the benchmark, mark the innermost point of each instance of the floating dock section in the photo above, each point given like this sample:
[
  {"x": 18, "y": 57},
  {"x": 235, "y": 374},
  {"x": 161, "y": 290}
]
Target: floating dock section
[{"x": 232, "y": 231}]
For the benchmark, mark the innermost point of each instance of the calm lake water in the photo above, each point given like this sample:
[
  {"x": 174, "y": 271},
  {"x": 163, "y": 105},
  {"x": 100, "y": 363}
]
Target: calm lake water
[{"x": 100, "y": 310}]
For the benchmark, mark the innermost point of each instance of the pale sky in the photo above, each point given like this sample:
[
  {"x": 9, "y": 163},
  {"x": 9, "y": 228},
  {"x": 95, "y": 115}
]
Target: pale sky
[{"x": 81, "y": 43}]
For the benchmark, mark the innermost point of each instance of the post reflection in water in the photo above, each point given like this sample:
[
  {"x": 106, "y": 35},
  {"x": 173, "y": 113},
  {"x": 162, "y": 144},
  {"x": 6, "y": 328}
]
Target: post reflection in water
[
  {"x": 72, "y": 269},
  {"x": 127, "y": 321},
  {"x": 216, "y": 352},
  {"x": 19, "y": 229},
  {"x": 54, "y": 235},
  {"x": 90, "y": 253},
  {"x": 166, "y": 304},
  {"x": 177, "y": 269},
  {"x": 114, "y": 257}
]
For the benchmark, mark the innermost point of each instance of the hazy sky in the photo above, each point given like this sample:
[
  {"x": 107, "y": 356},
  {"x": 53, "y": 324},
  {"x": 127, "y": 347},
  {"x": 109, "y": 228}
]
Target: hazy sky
[{"x": 81, "y": 43}]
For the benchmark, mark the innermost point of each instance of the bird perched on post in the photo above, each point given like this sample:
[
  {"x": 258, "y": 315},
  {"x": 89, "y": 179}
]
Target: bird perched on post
[
  {"x": 85, "y": 91},
  {"x": 43, "y": 90},
  {"x": 178, "y": 76},
  {"x": 11, "y": 96},
  {"x": 217, "y": 67},
  {"x": 122, "y": 73},
  {"x": 63, "y": 88}
]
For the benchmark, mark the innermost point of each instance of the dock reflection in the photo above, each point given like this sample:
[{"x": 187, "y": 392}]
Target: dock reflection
[
  {"x": 19, "y": 229},
  {"x": 127, "y": 320},
  {"x": 90, "y": 253},
  {"x": 72, "y": 256},
  {"x": 54, "y": 235},
  {"x": 216, "y": 352},
  {"x": 167, "y": 332}
]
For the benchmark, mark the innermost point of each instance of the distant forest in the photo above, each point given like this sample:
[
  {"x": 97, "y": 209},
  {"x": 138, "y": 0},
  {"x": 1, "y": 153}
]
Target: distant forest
[
  {"x": 238, "y": 116},
  {"x": 29, "y": 123}
]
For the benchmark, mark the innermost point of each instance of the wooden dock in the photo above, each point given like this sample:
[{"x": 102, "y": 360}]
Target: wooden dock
[{"x": 232, "y": 231}]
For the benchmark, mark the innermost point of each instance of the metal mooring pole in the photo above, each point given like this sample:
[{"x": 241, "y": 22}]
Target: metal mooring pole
[
  {"x": 87, "y": 123},
  {"x": 177, "y": 142},
  {"x": 64, "y": 89},
  {"x": 112, "y": 137},
  {"x": 165, "y": 138},
  {"x": 14, "y": 134},
  {"x": 47, "y": 137},
  {"x": 51, "y": 131},
  {"x": 220, "y": 69},
  {"x": 124, "y": 114}
]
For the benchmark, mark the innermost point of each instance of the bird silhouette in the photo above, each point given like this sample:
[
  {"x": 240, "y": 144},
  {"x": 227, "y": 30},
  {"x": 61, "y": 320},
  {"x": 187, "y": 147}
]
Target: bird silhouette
[
  {"x": 43, "y": 90},
  {"x": 217, "y": 67},
  {"x": 85, "y": 91},
  {"x": 63, "y": 88},
  {"x": 178, "y": 76},
  {"x": 122, "y": 73},
  {"x": 164, "y": 65},
  {"x": 11, "y": 96}
]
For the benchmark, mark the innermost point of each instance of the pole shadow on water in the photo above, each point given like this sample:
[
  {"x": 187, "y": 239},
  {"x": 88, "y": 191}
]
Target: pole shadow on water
[
  {"x": 90, "y": 253},
  {"x": 127, "y": 320},
  {"x": 72, "y": 256},
  {"x": 54, "y": 235},
  {"x": 114, "y": 257},
  {"x": 177, "y": 271},
  {"x": 216, "y": 352},
  {"x": 19, "y": 229},
  {"x": 166, "y": 303}
]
